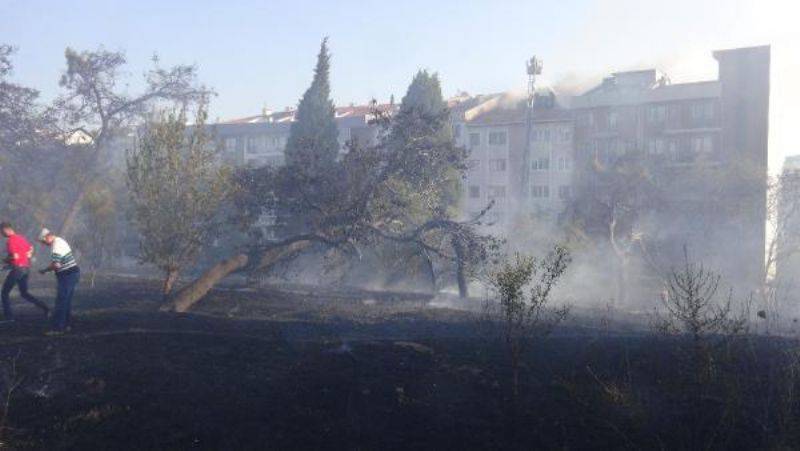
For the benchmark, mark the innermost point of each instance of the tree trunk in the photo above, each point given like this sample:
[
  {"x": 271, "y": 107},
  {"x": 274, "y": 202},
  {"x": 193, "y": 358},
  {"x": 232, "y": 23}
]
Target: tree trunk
[
  {"x": 169, "y": 282},
  {"x": 622, "y": 281},
  {"x": 431, "y": 272},
  {"x": 68, "y": 226},
  {"x": 192, "y": 293},
  {"x": 461, "y": 269}
]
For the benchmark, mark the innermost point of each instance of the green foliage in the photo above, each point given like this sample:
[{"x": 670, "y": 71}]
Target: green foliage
[
  {"x": 314, "y": 137},
  {"x": 430, "y": 166},
  {"x": 101, "y": 237},
  {"x": 524, "y": 286},
  {"x": 177, "y": 189}
]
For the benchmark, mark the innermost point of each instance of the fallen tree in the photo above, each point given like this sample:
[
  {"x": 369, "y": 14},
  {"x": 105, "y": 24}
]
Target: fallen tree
[{"x": 402, "y": 189}]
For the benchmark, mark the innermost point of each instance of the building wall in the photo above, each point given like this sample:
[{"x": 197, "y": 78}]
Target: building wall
[
  {"x": 489, "y": 173},
  {"x": 552, "y": 165},
  {"x": 708, "y": 141},
  {"x": 263, "y": 143}
]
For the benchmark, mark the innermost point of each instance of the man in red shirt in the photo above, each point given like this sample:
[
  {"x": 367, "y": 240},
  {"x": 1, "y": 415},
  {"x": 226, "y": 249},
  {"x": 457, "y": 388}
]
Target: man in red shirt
[{"x": 19, "y": 263}]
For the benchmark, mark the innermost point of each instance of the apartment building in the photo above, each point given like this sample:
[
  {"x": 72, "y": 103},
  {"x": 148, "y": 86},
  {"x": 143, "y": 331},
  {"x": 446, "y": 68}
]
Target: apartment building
[
  {"x": 261, "y": 140},
  {"x": 497, "y": 132},
  {"x": 709, "y": 141}
]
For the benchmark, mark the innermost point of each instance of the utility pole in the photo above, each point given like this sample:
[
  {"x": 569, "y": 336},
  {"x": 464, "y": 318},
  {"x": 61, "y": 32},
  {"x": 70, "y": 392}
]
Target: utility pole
[{"x": 534, "y": 67}]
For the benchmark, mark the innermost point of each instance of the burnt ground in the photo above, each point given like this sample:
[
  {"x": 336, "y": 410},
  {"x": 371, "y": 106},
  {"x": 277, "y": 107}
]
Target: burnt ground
[{"x": 298, "y": 369}]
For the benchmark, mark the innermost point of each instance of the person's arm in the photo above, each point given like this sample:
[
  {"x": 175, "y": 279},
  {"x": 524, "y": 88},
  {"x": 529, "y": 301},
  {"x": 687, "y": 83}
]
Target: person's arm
[
  {"x": 12, "y": 253},
  {"x": 53, "y": 266},
  {"x": 55, "y": 261}
]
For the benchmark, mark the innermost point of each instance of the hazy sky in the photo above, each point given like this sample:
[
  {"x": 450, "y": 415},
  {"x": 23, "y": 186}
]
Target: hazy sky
[{"x": 257, "y": 53}]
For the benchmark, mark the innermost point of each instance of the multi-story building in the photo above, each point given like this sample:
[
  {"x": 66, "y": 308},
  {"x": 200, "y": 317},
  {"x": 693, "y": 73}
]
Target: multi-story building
[
  {"x": 261, "y": 140},
  {"x": 498, "y": 132},
  {"x": 710, "y": 139}
]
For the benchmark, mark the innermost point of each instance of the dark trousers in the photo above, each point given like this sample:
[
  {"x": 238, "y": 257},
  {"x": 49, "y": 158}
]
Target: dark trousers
[
  {"x": 66, "y": 281},
  {"x": 18, "y": 277}
]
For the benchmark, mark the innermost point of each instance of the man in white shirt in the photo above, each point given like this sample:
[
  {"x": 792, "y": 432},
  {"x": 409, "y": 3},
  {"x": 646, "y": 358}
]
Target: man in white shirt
[{"x": 68, "y": 274}]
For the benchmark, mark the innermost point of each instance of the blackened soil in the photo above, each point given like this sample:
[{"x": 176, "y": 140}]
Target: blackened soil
[{"x": 277, "y": 370}]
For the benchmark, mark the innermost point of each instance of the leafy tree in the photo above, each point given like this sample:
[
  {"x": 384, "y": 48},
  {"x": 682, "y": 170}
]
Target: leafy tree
[
  {"x": 313, "y": 143},
  {"x": 427, "y": 184},
  {"x": 177, "y": 189},
  {"x": 96, "y": 102},
  {"x": 21, "y": 118},
  {"x": 524, "y": 286},
  {"x": 311, "y": 151},
  {"x": 101, "y": 239},
  {"x": 393, "y": 191},
  {"x": 26, "y": 189}
]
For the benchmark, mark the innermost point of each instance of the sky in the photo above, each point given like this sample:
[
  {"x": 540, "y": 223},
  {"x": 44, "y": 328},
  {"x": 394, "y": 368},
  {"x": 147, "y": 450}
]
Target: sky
[{"x": 258, "y": 54}]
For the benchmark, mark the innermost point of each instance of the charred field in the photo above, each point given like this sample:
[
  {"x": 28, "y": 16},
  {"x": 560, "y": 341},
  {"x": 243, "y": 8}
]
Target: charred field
[{"x": 291, "y": 369}]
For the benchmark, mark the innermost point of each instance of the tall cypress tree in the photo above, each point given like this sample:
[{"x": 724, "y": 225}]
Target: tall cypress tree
[
  {"x": 422, "y": 137},
  {"x": 425, "y": 95},
  {"x": 313, "y": 144},
  {"x": 428, "y": 186}
]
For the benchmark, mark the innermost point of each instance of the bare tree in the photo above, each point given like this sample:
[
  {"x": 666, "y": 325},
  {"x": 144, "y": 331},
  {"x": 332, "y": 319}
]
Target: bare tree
[
  {"x": 177, "y": 190},
  {"x": 524, "y": 286},
  {"x": 609, "y": 204},
  {"x": 693, "y": 309},
  {"x": 783, "y": 241},
  {"x": 96, "y": 102}
]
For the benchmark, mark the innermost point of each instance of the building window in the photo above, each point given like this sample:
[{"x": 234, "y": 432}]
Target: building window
[
  {"x": 702, "y": 113},
  {"x": 230, "y": 144},
  {"x": 657, "y": 114},
  {"x": 474, "y": 192},
  {"x": 497, "y": 164},
  {"x": 656, "y": 146},
  {"x": 253, "y": 144},
  {"x": 564, "y": 164},
  {"x": 541, "y": 164},
  {"x": 702, "y": 144},
  {"x": 563, "y": 192},
  {"x": 613, "y": 119},
  {"x": 566, "y": 134},
  {"x": 474, "y": 139},
  {"x": 474, "y": 164},
  {"x": 497, "y": 138},
  {"x": 496, "y": 192},
  {"x": 540, "y": 191}
]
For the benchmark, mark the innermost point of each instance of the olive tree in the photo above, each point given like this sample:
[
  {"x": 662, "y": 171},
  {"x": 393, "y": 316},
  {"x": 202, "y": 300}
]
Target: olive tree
[
  {"x": 524, "y": 286},
  {"x": 177, "y": 189}
]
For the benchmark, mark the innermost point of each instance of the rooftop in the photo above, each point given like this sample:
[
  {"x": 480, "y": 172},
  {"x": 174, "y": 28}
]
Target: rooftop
[{"x": 288, "y": 116}]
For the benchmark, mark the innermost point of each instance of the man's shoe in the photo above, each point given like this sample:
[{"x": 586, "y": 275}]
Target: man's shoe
[{"x": 54, "y": 333}]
